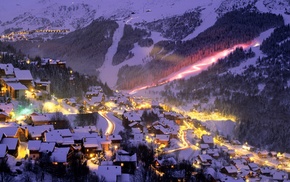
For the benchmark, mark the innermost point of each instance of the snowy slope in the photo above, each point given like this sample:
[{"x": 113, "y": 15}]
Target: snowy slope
[{"x": 55, "y": 14}]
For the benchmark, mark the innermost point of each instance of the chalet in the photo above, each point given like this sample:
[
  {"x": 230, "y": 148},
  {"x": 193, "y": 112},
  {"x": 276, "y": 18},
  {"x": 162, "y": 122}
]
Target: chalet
[
  {"x": 24, "y": 77},
  {"x": 12, "y": 144},
  {"x": 254, "y": 166},
  {"x": 33, "y": 147},
  {"x": 42, "y": 85},
  {"x": 127, "y": 161},
  {"x": 132, "y": 116},
  {"x": 4, "y": 116},
  {"x": 61, "y": 156},
  {"x": 60, "y": 137},
  {"x": 205, "y": 159},
  {"x": 37, "y": 132},
  {"x": 280, "y": 176},
  {"x": 164, "y": 163},
  {"x": 230, "y": 171},
  {"x": 109, "y": 172},
  {"x": 116, "y": 140},
  {"x": 162, "y": 139},
  {"x": 46, "y": 148},
  {"x": 15, "y": 89},
  {"x": 263, "y": 154},
  {"x": 211, "y": 174},
  {"x": 7, "y": 109},
  {"x": 14, "y": 81},
  {"x": 13, "y": 132},
  {"x": 40, "y": 119},
  {"x": 91, "y": 147},
  {"x": 207, "y": 139}
]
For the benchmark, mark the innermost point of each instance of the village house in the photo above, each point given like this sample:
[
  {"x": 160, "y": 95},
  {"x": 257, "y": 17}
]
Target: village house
[
  {"x": 46, "y": 148},
  {"x": 109, "y": 172},
  {"x": 42, "y": 85},
  {"x": 6, "y": 110},
  {"x": 116, "y": 140},
  {"x": 162, "y": 139},
  {"x": 33, "y": 148},
  {"x": 61, "y": 156},
  {"x": 91, "y": 147},
  {"x": 127, "y": 161},
  {"x": 13, "y": 132},
  {"x": 12, "y": 144},
  {"x": 230, "y": 171},
  {"x": 37, "y": 132},
  {"x": 207, "y": 139},
  {"x": 39, "y": 119},
  {"x": 162, "y": 163},
  {"x": 14, "y": 81}
]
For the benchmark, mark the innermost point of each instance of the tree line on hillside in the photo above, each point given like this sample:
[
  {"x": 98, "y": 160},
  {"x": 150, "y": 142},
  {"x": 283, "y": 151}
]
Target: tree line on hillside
[
  {"x": 126, "y": 44},
  {"x": 176, "y": 27},
  {"x": 65, "y": 83},
  {"x": 259, "y": 96},
  {"x": 233, "y": 28}
]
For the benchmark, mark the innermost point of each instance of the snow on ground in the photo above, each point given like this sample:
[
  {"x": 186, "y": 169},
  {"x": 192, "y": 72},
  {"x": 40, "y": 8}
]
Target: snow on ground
[
  {"x": 109, "y": 72},
  {"x": 225, "y": 128},
  {"x": 258, "y": 53},
  {"x": 118, "y": 123},
  {"x": 102, "y": 124}
]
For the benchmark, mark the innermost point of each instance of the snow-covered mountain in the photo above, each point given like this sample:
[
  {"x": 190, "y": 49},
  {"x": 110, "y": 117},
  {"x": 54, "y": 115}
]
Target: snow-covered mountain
[{"x": 163, "y": 19}]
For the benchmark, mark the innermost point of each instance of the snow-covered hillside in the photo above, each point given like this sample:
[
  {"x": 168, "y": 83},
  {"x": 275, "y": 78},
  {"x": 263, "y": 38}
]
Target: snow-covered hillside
[{"x": 54, "y": 14}]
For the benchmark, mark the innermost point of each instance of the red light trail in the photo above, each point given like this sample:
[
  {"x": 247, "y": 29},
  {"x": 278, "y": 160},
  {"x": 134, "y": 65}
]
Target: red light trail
[{"x": 197, "y": 67}]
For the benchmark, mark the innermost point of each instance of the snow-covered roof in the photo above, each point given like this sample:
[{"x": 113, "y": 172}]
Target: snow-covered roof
[
  {"x": 207, "y": 139},
  {"x": 253, "y": 166},
  {"x": 53, "y": 137},
  {"x": 16, "y": 86},
  {"x": 9, "y": 131},
  {"x": 36, "y": 131},
  {"x": 123, "y": 156},
  {"x": 68, "y": 141},
  {"x": 40, "y": 118},
  {"x": 205, "y": 157},
  {"x": 163, "y": 137},
  {"x": 115, "y": 137},
  {"x": 47, "y": 147},
  {"x": 59, "y": 154},
  {"x": 110, "y": 173},
  {"x": 63, "y": 132},
  {"x": 231, "y": 169},
  {"x": 81, "y": 136},
  {"x": 95, "y": 99},
  {"x": 242, "y": 167},
  {"x": 280, "y": 175},
  {"x": 132, "y": 116},
  {"x": 91, "y": 142},
  {"x": 85, "y": 129},
  {"x": 10, "y": 142},
  {"x": 34, "y": 145},
  {"x": 23, "y": 74},
  {"x": 8, "y": 68},
  {"x": 204, "y": 146},
  {"x": 167, "y": 161},
  {"x": 3, "y": 150}
]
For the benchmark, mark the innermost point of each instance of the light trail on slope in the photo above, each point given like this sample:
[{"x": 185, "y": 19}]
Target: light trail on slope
[
  {"x": 111, "y": 125},
  {"x": 197, "y": 67}
]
